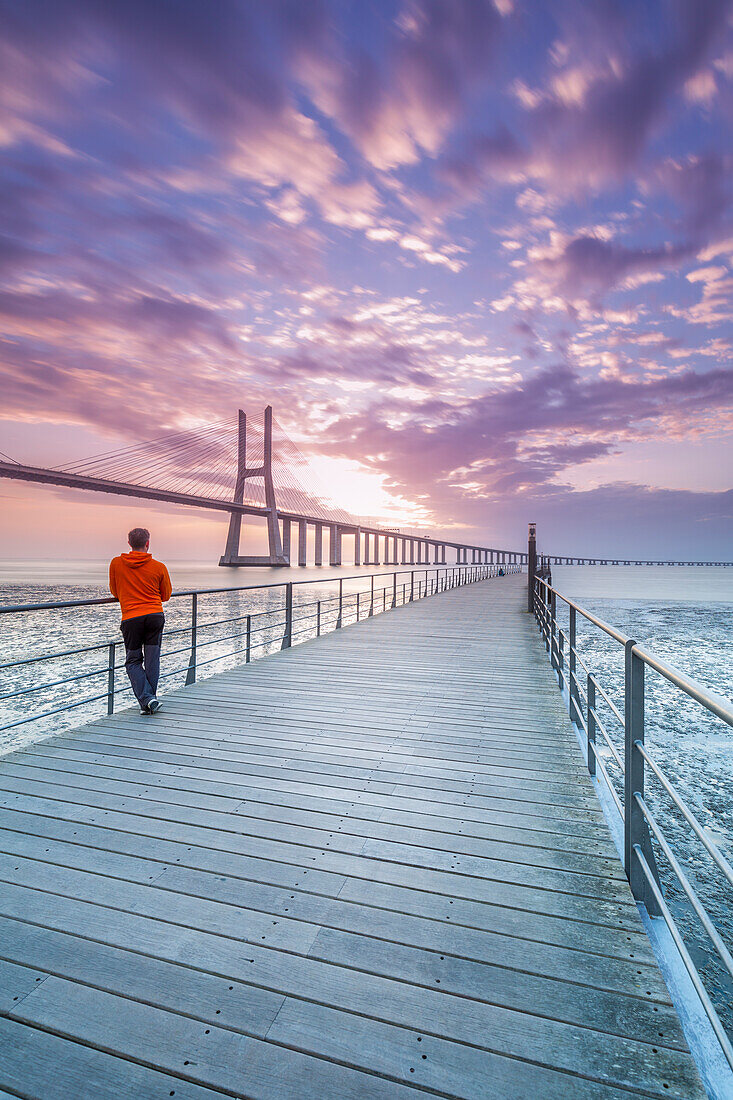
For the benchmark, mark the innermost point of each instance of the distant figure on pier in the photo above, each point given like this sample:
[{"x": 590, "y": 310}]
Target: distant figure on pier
[
  {"x": 142, "y": 586},
  {"x": 501, "y": 572}
]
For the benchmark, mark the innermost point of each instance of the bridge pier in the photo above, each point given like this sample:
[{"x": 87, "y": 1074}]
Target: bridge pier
[
  {"x": 357, "y": 546},
  {"x": 302, "y": 542},
  {"x": 231, "y": 555},
  {"x": 286, "y": 540},
  {"x": 319, "y": 544},
  {"x": 334, "y": 545}
]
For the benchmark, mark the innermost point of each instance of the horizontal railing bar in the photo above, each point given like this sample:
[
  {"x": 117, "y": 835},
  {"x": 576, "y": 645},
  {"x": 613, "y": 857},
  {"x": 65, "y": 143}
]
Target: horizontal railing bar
[
  {"x": 425, "y": 588},
  {"x": 647, "y": 825},
  {"x": 55, "y": 683},
  {"x": 674, "y": 931},
  {"x": 203, "y": 624},
  {"x": 609, "y": 700},
  {"x": 574, "y": 703},
  {"x": 609, "y": 783},
  {"x": 710, "y": 700},
  {"x": 102, "y": 600},
  {"x": 49, "y": 713},
  {"x": 604, "y": 626},
  {"x": 578, "y": 684},
  {"x": 609, "y": 742},
  {"x": 688, "y": 815},
  {"x": 235, "y": 653},
  {"x": 716, "y": 704},
  {"x": 581, "y": 662},
  {"x": 62, "y": 653},
  {"x": 725, "y": 956}
]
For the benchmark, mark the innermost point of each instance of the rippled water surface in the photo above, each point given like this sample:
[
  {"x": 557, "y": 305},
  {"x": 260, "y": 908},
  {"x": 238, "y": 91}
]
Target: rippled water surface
[
  {"x": 46, "y": 686},
  {"x": 684, "y": 616}
]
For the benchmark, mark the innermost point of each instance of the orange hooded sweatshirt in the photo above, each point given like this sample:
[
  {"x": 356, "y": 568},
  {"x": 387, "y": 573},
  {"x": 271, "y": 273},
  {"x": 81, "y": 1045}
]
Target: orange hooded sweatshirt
[{"x": 140, "y": 583}]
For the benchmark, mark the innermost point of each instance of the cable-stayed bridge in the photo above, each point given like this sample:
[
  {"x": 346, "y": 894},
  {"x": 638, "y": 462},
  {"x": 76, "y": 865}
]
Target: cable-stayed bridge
[{"x": 252, "y": 469}]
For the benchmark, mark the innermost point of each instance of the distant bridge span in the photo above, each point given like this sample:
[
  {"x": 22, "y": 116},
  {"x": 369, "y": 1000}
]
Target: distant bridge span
[{"x": 373, "y": 544}]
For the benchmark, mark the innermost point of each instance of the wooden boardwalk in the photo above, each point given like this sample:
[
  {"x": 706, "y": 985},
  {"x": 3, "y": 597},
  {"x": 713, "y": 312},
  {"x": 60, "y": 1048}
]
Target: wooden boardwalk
[{"x": 370, "y": 866}]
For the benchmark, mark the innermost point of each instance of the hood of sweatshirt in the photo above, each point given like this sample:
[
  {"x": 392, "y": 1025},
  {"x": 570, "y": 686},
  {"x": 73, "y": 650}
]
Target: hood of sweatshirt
[{"x": 136, "y": 558}]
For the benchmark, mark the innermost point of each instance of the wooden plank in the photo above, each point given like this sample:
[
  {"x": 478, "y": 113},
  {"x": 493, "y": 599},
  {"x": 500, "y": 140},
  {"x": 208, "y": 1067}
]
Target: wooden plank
[
  {"x": 292, "y": 920},
  {"x": 275, "y": 818},
  {"x": 253, "y": 1012},
  {"x": 334, "y": 799},
  {"x": 68, "y": 932},
  {"x": 609, "y": 912},
  {"x": 396, "y": 845},
  {"x": 36, "y": 1063},
  {"x": 66, "y": 845},
  {"x": 219, "y": 1059},
  {"x": 355, "y": 845},
  {"x": 220, "y": 1056}
]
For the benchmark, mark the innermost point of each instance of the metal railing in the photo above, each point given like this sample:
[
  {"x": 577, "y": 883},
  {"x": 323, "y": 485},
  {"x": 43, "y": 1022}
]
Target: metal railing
[
  {"x": 256, "y": 632},
  {"x": 640, "y": 824}
]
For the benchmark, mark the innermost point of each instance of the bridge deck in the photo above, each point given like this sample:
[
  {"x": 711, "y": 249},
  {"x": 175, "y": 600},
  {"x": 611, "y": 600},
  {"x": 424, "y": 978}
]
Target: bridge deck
[{"x": 371, "y": 866}]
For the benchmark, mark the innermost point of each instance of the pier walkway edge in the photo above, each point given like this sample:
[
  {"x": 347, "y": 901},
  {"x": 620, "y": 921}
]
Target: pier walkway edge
[{"x": 372, "y": 865}]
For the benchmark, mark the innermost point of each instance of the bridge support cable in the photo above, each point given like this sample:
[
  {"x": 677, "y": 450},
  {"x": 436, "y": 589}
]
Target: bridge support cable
[{"x": 255, "y": 470}]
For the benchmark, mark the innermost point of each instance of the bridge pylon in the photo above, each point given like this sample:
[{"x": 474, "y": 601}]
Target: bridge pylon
[{"x": 231, "y": 555}]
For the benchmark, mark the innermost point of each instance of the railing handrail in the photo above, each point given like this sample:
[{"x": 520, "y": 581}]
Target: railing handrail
[
  {"x": 6, "y": 609},
  {"x": 634, "y": 811},
  {"x": 713, "y": 702},
  {"x": 424, "y": 580},
  {"x": 716, "y": 704}
]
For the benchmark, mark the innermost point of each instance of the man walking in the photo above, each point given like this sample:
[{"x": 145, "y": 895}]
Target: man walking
[{"x": 142, "y": 586}]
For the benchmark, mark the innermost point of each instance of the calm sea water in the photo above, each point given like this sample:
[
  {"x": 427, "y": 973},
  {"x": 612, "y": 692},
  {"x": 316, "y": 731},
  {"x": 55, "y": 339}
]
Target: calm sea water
[{"x": 684, "y": 615}]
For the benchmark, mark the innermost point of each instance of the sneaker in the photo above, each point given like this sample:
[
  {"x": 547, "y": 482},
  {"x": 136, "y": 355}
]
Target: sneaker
[
  {"x": 153, "y": 705},
  {"x": 145, "y": 709}
]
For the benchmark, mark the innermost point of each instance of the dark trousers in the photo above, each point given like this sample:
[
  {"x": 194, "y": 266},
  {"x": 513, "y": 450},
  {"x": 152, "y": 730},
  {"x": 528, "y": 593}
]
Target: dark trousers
[{"x": 142, "y": 636}]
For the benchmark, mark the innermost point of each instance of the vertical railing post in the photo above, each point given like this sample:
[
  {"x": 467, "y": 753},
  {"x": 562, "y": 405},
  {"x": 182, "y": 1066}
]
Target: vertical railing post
[
  {"x": 412, "y": 585},
  {"x": 371, "y": 598},
  {"x": 553, "y": 626},
  {"x": 191, "y": 673},
  {"x": 358, "y": 594},
  {"x": 111, "y": 679},
  {"x": 636, "y": 832},
  {"x": 341, "y": 604},
  {"x": 590, "y": 720},
  {"x": 318, "y": 619},
  {"x": 288, "y": 635},
  {"x": 573, "y": 693},
  {"x": 248, "y": 651},
  {"x": 394, "y": 589},
  {"x": 633, "y": 718},
  {"x": 531, "y": 563},
  {"x": 561, "y": 659}
]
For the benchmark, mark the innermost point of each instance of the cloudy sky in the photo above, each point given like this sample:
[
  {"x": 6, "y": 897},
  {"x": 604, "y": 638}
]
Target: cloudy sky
[{"x": 476, "y": 254}]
